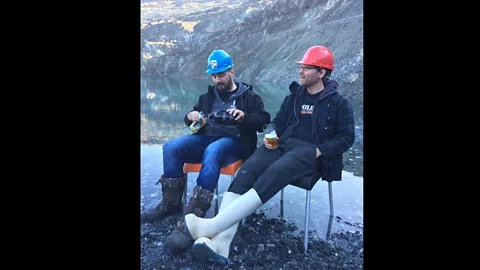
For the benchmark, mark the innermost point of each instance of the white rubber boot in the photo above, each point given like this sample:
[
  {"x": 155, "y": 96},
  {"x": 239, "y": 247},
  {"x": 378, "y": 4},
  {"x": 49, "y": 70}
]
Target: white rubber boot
[
  {"x": 238, "y": 209},
  {"x": 218, "y": 248}
]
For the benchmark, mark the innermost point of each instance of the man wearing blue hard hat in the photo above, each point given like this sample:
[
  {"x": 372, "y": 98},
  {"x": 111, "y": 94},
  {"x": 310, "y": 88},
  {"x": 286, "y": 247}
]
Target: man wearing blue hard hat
[
  {"x": 314, "y": 127},
  {"x": 224, "y": 123}
]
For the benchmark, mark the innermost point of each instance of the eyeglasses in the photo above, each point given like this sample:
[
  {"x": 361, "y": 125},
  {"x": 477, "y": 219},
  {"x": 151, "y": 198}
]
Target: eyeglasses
[{"x": 307, "y": 68}]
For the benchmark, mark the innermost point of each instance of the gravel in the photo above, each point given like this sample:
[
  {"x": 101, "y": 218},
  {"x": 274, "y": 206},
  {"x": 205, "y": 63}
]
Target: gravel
[{"x": 262, "y": 243}]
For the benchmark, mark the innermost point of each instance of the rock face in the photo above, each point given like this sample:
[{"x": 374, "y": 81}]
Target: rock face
[{"x": 264, "y": 39}]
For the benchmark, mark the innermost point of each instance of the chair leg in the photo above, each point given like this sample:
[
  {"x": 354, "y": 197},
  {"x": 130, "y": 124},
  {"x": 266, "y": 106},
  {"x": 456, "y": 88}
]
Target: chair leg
[
  {"x": 281, "y": 204},
  {"x": 307, "y": 219},
  {"x": 329, "y": 229},
  {"x": 216, "y": 201},
  {"x": 330, "y": 198},
  {"x": 184, "y": 199}
]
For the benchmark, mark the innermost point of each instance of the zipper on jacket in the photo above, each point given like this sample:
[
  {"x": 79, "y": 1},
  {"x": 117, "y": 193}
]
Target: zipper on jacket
[{"x": 295, "y": 111}]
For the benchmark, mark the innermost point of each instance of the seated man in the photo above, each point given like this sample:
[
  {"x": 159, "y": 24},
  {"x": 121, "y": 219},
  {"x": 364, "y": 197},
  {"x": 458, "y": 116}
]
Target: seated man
[
  {"x": 315, "y": 125},
  {"x": 216, "y": 141}
]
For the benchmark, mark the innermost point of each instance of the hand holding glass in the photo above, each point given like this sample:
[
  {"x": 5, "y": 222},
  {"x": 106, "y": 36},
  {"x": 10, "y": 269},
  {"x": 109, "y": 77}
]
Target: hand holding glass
[{"x": 271, "y": 135}]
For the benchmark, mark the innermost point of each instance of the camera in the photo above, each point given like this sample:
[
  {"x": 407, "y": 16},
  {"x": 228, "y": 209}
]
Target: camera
[{"x": 223, "y": 117}]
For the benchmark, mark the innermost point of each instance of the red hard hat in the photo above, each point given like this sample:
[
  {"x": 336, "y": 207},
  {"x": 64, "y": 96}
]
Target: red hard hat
[{"x": 319, "y": 56}]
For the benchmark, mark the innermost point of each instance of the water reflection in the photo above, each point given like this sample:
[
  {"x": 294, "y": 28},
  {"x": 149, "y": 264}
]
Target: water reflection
[{"x": 164, "y": 103}]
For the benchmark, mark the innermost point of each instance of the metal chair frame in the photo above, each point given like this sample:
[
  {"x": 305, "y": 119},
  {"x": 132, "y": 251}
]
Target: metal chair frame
[
  {"x": 307, "y": 183},
  {"x": 230, "y": 169}
]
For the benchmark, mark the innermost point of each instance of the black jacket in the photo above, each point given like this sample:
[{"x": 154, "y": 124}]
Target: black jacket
[
  {"x": 333, "y": 129},
  {"x": 255, "y": 115}
]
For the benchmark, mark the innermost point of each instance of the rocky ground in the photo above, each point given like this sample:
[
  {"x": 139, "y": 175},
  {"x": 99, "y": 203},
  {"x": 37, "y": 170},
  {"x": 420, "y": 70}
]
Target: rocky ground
[
  {"x": 265, "y": 243},
  {"x": 262, "y": 243}
]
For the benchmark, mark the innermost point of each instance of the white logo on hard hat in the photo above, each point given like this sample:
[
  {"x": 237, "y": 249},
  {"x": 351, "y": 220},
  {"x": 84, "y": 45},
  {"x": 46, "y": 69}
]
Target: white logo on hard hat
[{"x": 213, "y": 63}]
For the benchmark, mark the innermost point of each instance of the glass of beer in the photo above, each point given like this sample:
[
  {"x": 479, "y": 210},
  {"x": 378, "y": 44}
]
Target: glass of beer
[{"x": 271, "y": 135}]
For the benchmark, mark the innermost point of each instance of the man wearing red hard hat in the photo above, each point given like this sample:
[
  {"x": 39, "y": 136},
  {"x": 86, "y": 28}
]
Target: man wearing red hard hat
[{"x": 315, "y": 125}]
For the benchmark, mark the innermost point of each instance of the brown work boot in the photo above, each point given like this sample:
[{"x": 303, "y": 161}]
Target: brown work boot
[
  {"x": 171, "y": 204},
  {"x": 198, "y": 205}
]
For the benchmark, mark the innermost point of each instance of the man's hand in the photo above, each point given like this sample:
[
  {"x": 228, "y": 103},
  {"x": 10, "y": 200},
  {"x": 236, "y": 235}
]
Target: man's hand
[
  {"x": 193, "y": 116},
  {"x": 238, "y": 113},
  {"x": 318, "y": 152}
]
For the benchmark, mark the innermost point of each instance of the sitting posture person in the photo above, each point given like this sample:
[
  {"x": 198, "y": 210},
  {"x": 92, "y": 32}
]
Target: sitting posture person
[
  {"x": 216, "y": 141},
  {"x": 315, "y": 125}
]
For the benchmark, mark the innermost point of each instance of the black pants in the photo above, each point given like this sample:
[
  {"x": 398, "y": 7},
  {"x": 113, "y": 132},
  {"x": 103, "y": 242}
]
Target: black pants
[{"x": 268, "y": 171}]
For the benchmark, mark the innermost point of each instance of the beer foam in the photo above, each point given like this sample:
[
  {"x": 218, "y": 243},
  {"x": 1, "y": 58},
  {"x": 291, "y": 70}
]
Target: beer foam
[{"x": 271, "y": 135}]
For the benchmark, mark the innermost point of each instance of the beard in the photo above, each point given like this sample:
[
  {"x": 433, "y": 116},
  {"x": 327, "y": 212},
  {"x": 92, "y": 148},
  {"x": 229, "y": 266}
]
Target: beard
[
  {"x": 302, "y": 82},
  {"x": 307, "y": 82},
  {"x": 225, "y": 87}
]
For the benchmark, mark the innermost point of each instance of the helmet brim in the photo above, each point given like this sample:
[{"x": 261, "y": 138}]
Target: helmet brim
[{"x": 217, "y": 70}]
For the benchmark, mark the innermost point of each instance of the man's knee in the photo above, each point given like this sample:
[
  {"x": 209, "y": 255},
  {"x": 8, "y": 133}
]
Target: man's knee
[
  {"x": 168, "y": 147},
  {"x": 212, "y": 153},
  {"x": 242, "y": 181},
  {"x": 237, "y": 188},
  {"x": 174, "y": 145}
]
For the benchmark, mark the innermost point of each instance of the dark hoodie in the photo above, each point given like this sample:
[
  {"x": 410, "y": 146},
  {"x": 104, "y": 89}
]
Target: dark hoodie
[
  {"x": 333, "y": 128},
  {"x": 245, "y": 100},
  {"x": 220, "y": 128}
]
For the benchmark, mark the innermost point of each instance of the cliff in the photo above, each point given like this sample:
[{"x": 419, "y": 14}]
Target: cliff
[{"x": 264, "y": 38}]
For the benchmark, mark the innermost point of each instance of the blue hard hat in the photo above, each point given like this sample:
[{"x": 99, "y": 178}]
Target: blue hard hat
[{"x": 218, "y": 62}]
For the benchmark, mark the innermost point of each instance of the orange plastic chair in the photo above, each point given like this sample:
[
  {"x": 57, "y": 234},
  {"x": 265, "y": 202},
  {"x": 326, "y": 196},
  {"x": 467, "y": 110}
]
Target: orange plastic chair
[{"x": 195, "y": 167}]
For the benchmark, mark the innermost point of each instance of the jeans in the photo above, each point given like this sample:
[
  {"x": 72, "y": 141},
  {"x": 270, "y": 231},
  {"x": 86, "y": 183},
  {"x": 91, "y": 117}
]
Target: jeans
[
  {"x": 268, "y": 171},
  {"x": 212, "y": 152}
]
